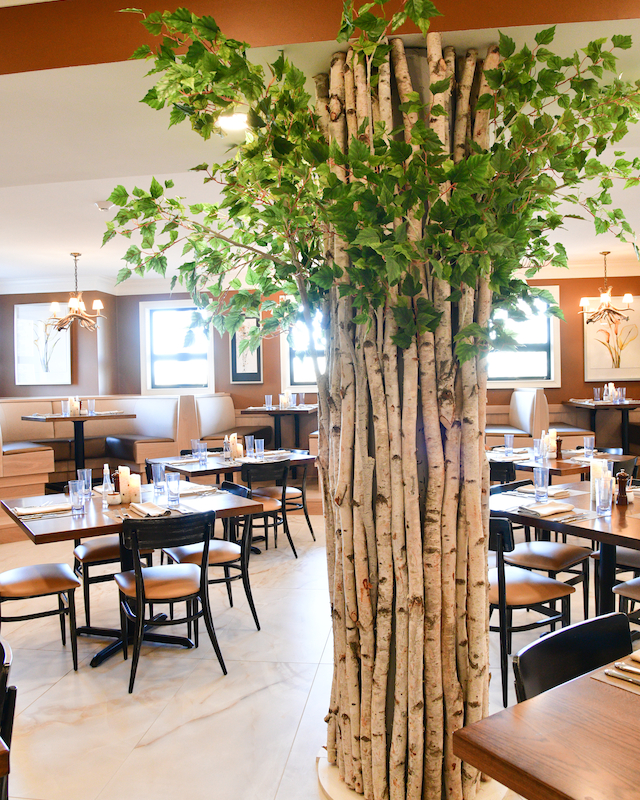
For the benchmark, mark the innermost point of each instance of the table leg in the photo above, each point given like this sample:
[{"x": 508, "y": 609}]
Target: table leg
[
  {"x": 78, "y": 442},
  {"x": 592, "y": 420},
  {"x": 296, "y": 428},
  {"x": 277, "y": 431},
  {"x": 605, "y": 602},
  {"x": 625, "y": 430}
]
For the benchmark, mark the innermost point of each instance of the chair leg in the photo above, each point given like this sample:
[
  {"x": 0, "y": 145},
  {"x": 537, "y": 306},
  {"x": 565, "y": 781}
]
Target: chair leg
[
  {"x": 208, "y": 621},
  {"x": 72, "y": 628},
  {"x": 566, "y": 611},
  {"x": 124, "y": 630},
  {"x": 192, "y": 608},
  {"x": 247, "y": 591},
  {"x": 85, "y": 592},
  {"x": 585, "y": 587},
  {"x": 285, "y": 524},
  {"x": 137, "y": 642},
  {"x": 306, "y": 514},
  {"x": 61, "y": 609},
  {"x": 227, "y": 575}
]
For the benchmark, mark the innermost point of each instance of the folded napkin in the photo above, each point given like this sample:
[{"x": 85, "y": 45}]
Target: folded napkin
[
  {"x": 554, "y": 491},
  {"x": 185, "y": 460},
  {"x": 38, "y": 414},
  {"x": 149, "y": 510},
  {"x": 106, "y": 413},
  {"x": 546, "y": 509},
  {"x": 196, "y": 488},
  {"x": 502, "y": 457},
  {"x": 515, "y": 449},
  {"x": 54, "y": 508},
  {"x": 578, "y": 460}
]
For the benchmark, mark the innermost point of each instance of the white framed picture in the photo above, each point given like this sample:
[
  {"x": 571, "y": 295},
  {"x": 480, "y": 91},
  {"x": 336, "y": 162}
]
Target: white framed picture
[
  {"x": 246, "y": 367},
  {"x": 612, "y": 350},
  {"x": 42, "y": 353}
]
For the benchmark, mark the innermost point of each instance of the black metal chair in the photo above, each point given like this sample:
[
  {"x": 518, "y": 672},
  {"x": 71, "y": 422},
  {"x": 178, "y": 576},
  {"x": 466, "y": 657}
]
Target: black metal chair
[
  {"x": 43, "y": 580},
  {"x": 274, "y": 509},
  {"x": 570, "y": 652},
  {"x": 296, "y": 497},
  {"x": 502, "y": 471},
  {"x": 7, "y": 708},
  {"x": 225, "y": 553},
  {"x": 516, "y": 588},
  {"x": 168, "y": 583}
]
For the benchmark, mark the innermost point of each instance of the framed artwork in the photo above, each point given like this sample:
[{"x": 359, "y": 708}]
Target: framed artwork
[
  {"x": 612, "y": 351},
  {"x": 246, "y": 367},
  {"x": 42, "y": 353}
]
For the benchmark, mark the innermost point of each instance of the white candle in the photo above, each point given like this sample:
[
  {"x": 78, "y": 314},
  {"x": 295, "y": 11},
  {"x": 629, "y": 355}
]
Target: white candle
[
  {"x": 597, "y": 471},
  {"x": 134, "y": 489},
  {"x": 124, "y": 474},
  {"x": 74, "y": 406},
  {"x": 553, "y": 435}
]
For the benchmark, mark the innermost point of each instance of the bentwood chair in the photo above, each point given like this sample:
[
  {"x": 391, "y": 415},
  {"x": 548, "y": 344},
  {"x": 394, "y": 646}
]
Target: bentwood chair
[
  {"x": 274, "y": 508},
  {"x": 167, "y": 583},
  {"x": 295, "y": 497},
  {"x": 7, "y": 708},
  {"x": 570, "y": 652},
  {"x": 227, "y": 554},
  {"x": 513, "y": 588},
  {"x": 43, "y": 580}
]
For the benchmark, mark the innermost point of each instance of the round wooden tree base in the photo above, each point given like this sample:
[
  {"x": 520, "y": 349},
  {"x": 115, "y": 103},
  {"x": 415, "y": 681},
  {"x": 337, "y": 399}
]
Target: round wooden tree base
[{"x": 332, "y": 788}]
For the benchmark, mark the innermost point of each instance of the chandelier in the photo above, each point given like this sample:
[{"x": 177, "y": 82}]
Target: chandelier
[
  {"x": 77, "y": 309},
  {"x": 606, "y": 311}
]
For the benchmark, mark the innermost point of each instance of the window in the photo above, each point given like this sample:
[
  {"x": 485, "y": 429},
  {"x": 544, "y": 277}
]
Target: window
[
  {"x": 537, "y": 359},
  {"x": 173, "y": 358},
  {"x": 297, "y": 365}
]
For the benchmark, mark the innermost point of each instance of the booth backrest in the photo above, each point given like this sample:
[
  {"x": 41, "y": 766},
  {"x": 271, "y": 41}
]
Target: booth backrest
[
  {"x": 155, "y": 416},
  {"x": 214, "y": 413},
  {"x": 15, "y": 429},
  {"x": 529, "y": 411}
]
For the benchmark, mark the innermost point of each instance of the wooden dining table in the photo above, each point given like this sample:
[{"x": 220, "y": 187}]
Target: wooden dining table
[
  {"x": 602, "y": 405},
  {"x": 578, "y": 741},
  {"x": 96, "y": 521},
  {"x": 216, "y": 465},
  {"x": 620, "y": 528},
  {"x": 558, "y": 467},
  {"x": 278, "y": 413}
]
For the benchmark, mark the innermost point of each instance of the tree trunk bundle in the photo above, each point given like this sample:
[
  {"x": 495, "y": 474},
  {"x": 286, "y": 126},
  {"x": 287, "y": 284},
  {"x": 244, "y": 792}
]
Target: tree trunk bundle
[{"x": 405, "y": 482}]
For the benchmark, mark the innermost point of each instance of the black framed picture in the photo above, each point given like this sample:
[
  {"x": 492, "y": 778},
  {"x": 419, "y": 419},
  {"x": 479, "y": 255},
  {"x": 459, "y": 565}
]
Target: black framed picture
[{"x": 246, "y": 367}]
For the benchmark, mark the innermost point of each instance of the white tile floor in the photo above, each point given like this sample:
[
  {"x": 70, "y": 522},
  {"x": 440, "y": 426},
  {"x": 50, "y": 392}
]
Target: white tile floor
[{"x": 187, "y": 731}]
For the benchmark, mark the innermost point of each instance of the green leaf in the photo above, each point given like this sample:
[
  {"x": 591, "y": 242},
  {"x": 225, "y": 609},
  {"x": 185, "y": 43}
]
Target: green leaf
[
  {"x": 144, "y": 51},
  {"x": 622, "y": 42},
  {"x": 123, "y": 274},
  {"x": 437, "y": 87},
  {"x": 506, "y": 45},
  {"x": 546, "y": 36},
  {"x": 119, "y": 196},
  {"x": 156, "y": 189}
]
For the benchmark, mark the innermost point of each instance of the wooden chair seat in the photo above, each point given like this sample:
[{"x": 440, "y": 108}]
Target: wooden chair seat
[
  {"x": 629, "y": 590},
  {"x": 37, "y": 580},
  {"x": 270, "y": 505},
  {"x": 220, "y": 551},
  {"x": 291, "y": 492},
  {"x": 626, "y": 558},
  {"x": 100, "y": 549},
  {"x": 164, "y": 582},
  {"x": 524, "y": 588},
  {"x": 547, "y": 556}
]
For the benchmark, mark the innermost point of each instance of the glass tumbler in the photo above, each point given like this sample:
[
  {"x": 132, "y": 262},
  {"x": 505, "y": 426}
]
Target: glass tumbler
[
  {"x": 249, "y": 444},
  {"x": 76, "y": 496},
  {"x": 159, "y": 485},
  {"x": 541, "y": 484},
  {"x": 173, "y": 488},
  {"x": 508, "y": 444},
  {"x": 84, "y": 475}
]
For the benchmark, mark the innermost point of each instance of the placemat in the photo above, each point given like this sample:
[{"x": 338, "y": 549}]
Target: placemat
[{"x": 619, "y": 683}]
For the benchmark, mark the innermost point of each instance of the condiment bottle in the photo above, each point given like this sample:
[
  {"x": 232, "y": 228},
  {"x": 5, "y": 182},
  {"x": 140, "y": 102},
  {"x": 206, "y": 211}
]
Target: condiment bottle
[
  {"x": 558, "y": 448},
  {"x": 622, "y": 479}
]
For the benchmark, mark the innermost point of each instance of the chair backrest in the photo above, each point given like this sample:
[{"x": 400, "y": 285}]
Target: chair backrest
[
  {"x": 626, "y": 464},
  {"x": 499, "y": 488},
  {"x": 236, "y": 488},
  {"x": 502, "y": 471},
  {"x": 570, "y": 652},
  {"x": 614, "y": 451},
  {"x": 273, "y": 471},
  {"x": 529, "y": 411},
  {"x": 157, "y": 532},
  {"x": 500, "y": 535}
]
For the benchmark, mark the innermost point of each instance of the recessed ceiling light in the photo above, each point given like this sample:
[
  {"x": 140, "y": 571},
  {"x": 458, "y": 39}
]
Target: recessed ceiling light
[
  {"x": 233, "y": 122},
  {"x": 104, "y": 205}
]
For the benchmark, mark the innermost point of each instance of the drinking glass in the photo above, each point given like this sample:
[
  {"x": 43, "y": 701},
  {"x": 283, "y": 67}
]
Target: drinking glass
[
  {"x": 508, "y": 444},
  {"x": 623, "y": 394},
  {"x": 604, "y": 494},
  {"x": 159, "y": 485},
  {"x": 596, "y": 393},
  {"x": 65, "y": 407},
  {"x": 203, "y": 454},
  {"x": 195, "y": 448},
  {"x": 260, "y": 449},
  {"x": 173, "y": 488},
  {"x": 84, "y": 475},
  {"x": 294, "y": 399},
  {"x": 300, "y": 398},
  {"x": 248, "y": 441},
  {"x": 538, "y": 449},
  {"x": 268, "y": 401},
  {"x": 589, "y": 444},
  {"x": 76, "y": 496},
  {"x": 541, "y": 484}
]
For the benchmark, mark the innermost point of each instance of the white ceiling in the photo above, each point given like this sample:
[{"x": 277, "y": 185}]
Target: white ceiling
[{"x": 68, "y": 136}]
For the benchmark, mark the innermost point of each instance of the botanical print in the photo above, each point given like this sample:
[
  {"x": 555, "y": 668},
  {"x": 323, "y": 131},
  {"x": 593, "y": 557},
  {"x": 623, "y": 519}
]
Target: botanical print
[
  {"x": 612, "y": 346},
  {"x": 42, "y": 353},
  {"x": 615, "y": 337}
]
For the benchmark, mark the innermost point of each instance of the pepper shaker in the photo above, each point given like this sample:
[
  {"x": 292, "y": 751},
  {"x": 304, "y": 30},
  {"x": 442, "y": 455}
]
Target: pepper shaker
[{"x": 622, "y": 479}]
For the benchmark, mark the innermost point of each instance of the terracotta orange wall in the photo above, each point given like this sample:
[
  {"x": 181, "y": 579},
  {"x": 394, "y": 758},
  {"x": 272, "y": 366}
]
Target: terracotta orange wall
[
  {"x": 73, "y": 32},
  {"x": 572, "y": 341}
]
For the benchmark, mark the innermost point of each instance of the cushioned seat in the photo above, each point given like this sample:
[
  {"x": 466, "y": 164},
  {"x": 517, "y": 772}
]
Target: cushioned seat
[
  {"x": 257, "y": 431},
  {"x": 100, "y": 548},
  {"x": 270, "y": 506},
  {"x": 629, "y": 590},
  {"x": 626, "y": 558},
  {"x": 162, "y": 583},
  {"x": 547, "y": 556},
  {"x": 524, "y": 588},
  {"x": 219, "y": 551},
  {"x": 13, "y": 448},
  {"x": 276, "y": 492},
  {"x": 123, "y": 446},
  {"x": 37, "y": 580}
]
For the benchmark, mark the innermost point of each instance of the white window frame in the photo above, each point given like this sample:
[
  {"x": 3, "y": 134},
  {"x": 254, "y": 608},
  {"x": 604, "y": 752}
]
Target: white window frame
[
  {"x": 285, "y": 373},
  {"x": 145, "y": 309},
  {"x": 556, "y": 378}
]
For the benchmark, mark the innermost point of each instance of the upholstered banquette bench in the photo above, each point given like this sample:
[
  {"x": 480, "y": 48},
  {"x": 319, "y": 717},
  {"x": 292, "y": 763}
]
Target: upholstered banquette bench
[{"x": 215, "y": 418}]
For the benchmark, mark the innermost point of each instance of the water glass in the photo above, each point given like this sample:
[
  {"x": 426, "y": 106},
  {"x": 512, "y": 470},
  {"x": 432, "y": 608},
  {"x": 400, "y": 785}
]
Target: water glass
[
  {"x": 541, "y": 484},
  {"x": 623, "y": 394},
  {"x": 91, "y": 406},
  {"x": 76, "y": 496},
  {"x": 195, "y": 448},
  {"x": 173, "y": 488},
  {"x": 248, "y": 443},
  {"x": 508, "y": 444},
  {"x": 596, "y": 394},
  {"x": 159, "y": 485},
  {"x": 268, "y": 401},
  {"x": 65, "y": 407},
  {"x": 260, "y": 449},
  {"x": 300, "y": 398},
  {"x": 203, "y": 454},
  {"x": 84, "y": 475},
  {"x": 294, "y": 400},
  {"x": 604, "y": 494},
  {"x": 589, "y": 445},
  {"x": 538, "y": 449}
]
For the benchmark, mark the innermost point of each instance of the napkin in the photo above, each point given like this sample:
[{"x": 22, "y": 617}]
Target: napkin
[
  {"x": 553, "y": 491},
  {"x": 502, "y": 457},
  {"x": 196, "y": 488},
  {"x": 106, "y": 413},
  {"x": 149, "y": 510},
  {"x": 54, "y": 508},
  {"x": 515, "y": 449},
  {"x": 577, "y": 460},
  {"x": 546, "y": 509},
  {"x": 185, "y": 460}
]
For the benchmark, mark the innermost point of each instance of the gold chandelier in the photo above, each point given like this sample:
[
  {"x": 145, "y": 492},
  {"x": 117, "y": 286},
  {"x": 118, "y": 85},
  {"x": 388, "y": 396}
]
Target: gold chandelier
[
  {"x": 77, "y": 309},
  {"x": 606, "y": 311}
]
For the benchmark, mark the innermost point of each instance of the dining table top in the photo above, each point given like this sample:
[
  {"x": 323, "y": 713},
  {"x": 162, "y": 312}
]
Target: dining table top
[
  {"x": 216, "y": 465},
  {"x": 96, "y": 521},
  {"x": 578, "y": 741},
  {"x": 625, "y": 405},
  {"x": 83, "y": 417},
  {"x": 305, "y": 408}
]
